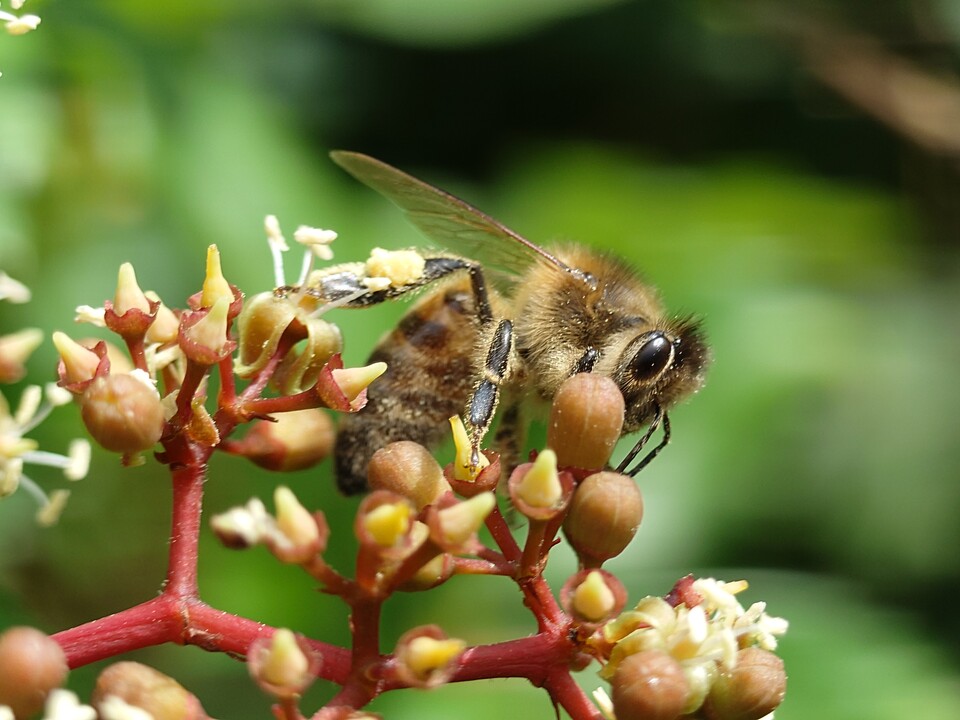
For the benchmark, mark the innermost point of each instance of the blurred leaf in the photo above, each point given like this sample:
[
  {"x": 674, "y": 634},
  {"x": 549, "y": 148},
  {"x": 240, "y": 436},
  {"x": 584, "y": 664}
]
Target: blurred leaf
[{"x": 440, "y": 23}]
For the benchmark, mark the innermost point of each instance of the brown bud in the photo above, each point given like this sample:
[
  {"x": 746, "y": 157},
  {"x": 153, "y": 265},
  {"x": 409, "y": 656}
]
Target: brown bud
[
  {"x": 586, "y": 420},
  {"x": 603, "y": 517},
  {"x": 754, "y": 688},
  {"x": 31, "y": 665},
  {"x": 649, "y": 685},
  {"x": 407, "y": 468},
  {"x": 297, "y": 440},
  {"x": 143, "y": 687},
  {"x": 123, "y": 414}
]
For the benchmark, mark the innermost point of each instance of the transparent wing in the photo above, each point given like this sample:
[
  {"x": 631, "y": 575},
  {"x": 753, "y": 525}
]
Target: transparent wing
[{"x": 447, "y": 219}]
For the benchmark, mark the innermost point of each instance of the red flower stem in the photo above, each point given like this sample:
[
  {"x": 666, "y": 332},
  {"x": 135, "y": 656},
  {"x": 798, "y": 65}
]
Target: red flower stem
[
  {"x": 530, "y": 561},
  {"x": 570, "y": 696},
  {"x": 228, "y": 383},
  {"x": 150, "y": 623},
  {"x": 502, "y": 536},
  {"x": 135, "y": 348},
  {"x": 167, "y": 618},
  {"x": 300, "y": 401},
  {"x": 192, "y": 378},
  {"x": 184, "y": 539},
  {"x": 476, "y": 566}
]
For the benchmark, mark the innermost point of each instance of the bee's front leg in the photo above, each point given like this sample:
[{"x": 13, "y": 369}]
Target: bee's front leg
[{"x": 483, "y": 402}]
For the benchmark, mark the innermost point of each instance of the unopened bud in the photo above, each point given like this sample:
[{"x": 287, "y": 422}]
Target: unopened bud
[
  {"x": 426, "y": 657},
  {"x": 207, "y": 336},
  {"x": 540, "y": 486},
  {"x": 458, "y": 523},
  {"x": 407, "y": 468},
  {"x": 297, "y": 526},
  {"x": 31, "y": 665},
  {"x": 165, "y": 325},
  {"x": 296, "y": 440},
  {"x": 353, "y": 381},
  {"x": 463, "y": 468},
  {"x": 754, "y": 688},
  {"x": 282, "y": 665},
  {"x": 388, "y": 524},
  {"x": 140, "y": 686},
  {"x": 586, "y": 420},
  {"x": 215, "y": 285},
  {"x": 128, "y": 295},
  {"x": 122, "y": 413},
  {"x": 649, "y": 685},
  {"x": 593, "y": 599},
  {"x": 79, "y": 363},
  {"x": 603, "y": 517},
  {"x": 15, "y": 350}
]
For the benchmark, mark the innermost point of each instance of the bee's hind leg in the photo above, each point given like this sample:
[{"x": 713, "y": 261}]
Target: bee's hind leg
[{"x": 483, "y": 402}]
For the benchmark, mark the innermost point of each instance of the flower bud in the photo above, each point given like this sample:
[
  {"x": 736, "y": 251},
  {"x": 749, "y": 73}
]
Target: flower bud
[
  {"x": 215, "y": 285},
  {"x": 295, "y": 441},
  {"x": 15, "y": 349},
  {"x": 649, "y": 685},
  {"x": 297, "y": 527},
  {"x": 463, "y": 468},
  {"x": 603, "y": 517},
  {"x": 128, "y": 295},
  {"x": 203, "y": 333},
  {"x": 754, "y": 688},
  {"x": 426, "y": 656},
  {"x": 143, "y": 687},
  {"x": 593, "y": 596},
  {"x": 353, "y": 381},
  {"x": 455, "y": 525},
  {"x": 31, "y": 665},
  {"x": 122, "y": 413},
  {"x": 388, "y": 524},
  {"x": 538, "y": 491},
  {"x": 586, "y": 420},
  {"x": 131, "y": 313},
  {"x": 433, "y": 573},
  {"x": 165, "y": 325},
  {"x": 283, "y": 665},
  {"x": 78, "y": 364},
  {"x": 407, "y": 468}
]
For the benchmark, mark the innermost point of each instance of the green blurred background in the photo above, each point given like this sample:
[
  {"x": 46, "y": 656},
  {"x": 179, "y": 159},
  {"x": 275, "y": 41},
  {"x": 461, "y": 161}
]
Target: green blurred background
[{"x": 787, "y": 169}]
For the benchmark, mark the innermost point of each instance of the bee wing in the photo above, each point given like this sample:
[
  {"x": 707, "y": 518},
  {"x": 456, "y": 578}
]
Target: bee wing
[{"x": 445, "y": 218}]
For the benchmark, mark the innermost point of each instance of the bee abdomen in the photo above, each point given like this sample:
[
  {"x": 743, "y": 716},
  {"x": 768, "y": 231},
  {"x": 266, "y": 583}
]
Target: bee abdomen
[{"x": 430, "y": 373}]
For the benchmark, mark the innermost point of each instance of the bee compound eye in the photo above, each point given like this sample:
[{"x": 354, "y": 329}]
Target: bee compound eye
[{"x": 653, "y": 357}]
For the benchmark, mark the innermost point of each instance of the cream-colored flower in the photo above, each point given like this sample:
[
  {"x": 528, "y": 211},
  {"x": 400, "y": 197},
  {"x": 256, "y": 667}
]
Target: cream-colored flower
[
  {"x": 17, "y": 450},
  {"x": 64, "y": 705},
  {"x": 13, "y": 290},
  {"x": 704, "y": 638}
]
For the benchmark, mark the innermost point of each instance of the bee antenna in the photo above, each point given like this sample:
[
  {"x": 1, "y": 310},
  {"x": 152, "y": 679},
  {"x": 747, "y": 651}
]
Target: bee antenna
[{"x": 660, "y": 417}]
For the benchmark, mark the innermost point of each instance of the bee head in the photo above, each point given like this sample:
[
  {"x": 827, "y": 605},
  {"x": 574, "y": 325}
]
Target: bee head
[{"x": 659, "y": 367}]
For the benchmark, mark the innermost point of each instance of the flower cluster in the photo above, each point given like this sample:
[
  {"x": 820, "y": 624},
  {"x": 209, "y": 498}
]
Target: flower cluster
[
  {"x": 693, "y": 641},
  {"x": 695, "y": 653},
  {"x": 34, "y": 406}
]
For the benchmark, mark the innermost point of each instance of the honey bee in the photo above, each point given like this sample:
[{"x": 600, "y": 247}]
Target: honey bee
[{"x": 550, "y": 313}]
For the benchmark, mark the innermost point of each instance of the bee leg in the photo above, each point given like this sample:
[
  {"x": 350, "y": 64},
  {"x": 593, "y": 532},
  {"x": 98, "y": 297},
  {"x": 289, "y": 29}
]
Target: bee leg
[
  {"x": 483, "y": 402},
  {"x": 586, "y": 362},
  {"x": 660, "y": 417}
]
